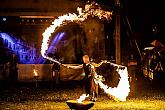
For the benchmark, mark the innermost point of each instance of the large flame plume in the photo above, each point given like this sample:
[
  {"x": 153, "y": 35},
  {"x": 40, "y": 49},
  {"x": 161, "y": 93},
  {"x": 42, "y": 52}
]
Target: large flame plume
[
  {"x": 122, "y": 90},
  {"x": 90, "y": 9},
  {"x": 118, "y": 93}
]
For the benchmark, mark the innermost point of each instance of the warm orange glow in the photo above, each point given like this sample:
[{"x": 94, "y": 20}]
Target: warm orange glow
[
  {"x": 82, "y": 98},
  {"x": 35, "y": 72},
  {"x": 36, "y": 16}
]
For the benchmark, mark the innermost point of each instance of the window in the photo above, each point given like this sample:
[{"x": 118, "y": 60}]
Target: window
[
  {"x": 6, "y": 42},
  {"x": 14, "y": 47},
  {"x": 9, "y": 45}
]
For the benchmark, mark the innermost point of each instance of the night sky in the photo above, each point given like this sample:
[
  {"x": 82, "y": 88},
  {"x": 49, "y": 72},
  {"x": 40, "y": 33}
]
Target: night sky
[{"x": 145, "y": 15}]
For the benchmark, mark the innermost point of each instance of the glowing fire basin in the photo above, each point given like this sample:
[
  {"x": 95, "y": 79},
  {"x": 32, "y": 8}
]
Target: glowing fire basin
[{"x": 84, "y": 105}]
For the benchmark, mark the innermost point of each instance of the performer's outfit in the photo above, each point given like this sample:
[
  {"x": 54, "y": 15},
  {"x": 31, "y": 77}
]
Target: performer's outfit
[
  {"x": 87, "y": 70},
  {"x": 89, "y": 77}
]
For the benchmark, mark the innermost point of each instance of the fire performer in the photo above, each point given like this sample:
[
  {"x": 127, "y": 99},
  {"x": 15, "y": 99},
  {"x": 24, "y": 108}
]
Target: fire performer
[{"x": 91, "y": 86}]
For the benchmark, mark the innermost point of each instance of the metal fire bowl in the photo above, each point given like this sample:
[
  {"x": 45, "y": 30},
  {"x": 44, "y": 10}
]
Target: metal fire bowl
[{"x": 85, "y": 105}]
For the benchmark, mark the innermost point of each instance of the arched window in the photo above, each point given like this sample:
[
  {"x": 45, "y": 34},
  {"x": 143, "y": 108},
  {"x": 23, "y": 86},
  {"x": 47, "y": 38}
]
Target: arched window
[
  {"x": 9, "y": 45},
  {"x": 6, "y": 42},
  {"x": 14, "y": 47}
]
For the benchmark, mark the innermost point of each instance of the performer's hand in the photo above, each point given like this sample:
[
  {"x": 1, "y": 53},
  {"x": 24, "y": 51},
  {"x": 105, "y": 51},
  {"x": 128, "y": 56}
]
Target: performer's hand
[
  {"x": 67, "y": 66},
  {"x": 104, "y": 61}
]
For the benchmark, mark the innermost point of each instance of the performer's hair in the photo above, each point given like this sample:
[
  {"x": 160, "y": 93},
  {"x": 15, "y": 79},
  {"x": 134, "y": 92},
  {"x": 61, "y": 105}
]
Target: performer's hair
[{"x": 85, "y": 56}]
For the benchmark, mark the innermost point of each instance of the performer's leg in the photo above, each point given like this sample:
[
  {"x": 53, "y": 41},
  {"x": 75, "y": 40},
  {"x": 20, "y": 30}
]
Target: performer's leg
[
  {"x": 95, "y": 92},
  {"x": 87, "y": 86}
]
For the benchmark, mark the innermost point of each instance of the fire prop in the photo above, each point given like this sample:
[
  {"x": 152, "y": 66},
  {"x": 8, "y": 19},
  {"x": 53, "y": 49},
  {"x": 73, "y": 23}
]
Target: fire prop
[
  {"x": 85, "y": 105},
  {"x": 36, "y": 76},
  {"x": 81, "y": 103},
  {"x": 90, "y": 9},
  {"x": 122, "y": 90},
  {"x": 118, "y": 93}
]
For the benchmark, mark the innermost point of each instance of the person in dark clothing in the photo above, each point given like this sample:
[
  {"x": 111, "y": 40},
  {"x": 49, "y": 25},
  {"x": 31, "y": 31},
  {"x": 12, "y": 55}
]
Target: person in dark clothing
[
  {"x": 13, "y": 74},
  {"x": 91, "y": 88},
  {"x": 6, "y": 70},
  {"x": 56, "y": 72}
]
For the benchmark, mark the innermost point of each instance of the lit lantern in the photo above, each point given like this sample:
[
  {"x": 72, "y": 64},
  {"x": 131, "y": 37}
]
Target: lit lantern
[
  {"x": 36, "y": 76},
  {"x": 35, "y": 73}
]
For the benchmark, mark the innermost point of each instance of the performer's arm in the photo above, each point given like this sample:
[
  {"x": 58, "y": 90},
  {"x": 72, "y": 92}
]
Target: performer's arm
[
  {"x": 99, "y": 64},
  {"x": 75, "y": 67}
]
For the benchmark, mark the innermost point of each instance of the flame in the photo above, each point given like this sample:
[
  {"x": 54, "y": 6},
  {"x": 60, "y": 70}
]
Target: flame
[
  {"x": 122, "y": 90},
  {"x": 82, "y": 15},
  {"x": 35, "y": 72},
  {"x": 118, "y": 93},
  {"x": 82, "y": 98}
]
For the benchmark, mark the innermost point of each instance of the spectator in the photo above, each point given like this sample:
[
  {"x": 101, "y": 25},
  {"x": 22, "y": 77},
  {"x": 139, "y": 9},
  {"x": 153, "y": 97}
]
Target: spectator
[
  {"x": 56, "y": 72},
  {"x": 13, "y": 75}
]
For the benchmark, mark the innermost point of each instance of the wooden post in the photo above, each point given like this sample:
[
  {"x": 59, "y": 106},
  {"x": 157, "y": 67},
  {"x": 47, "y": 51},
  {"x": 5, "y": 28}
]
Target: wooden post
[{"x": 117, "y": 31}]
